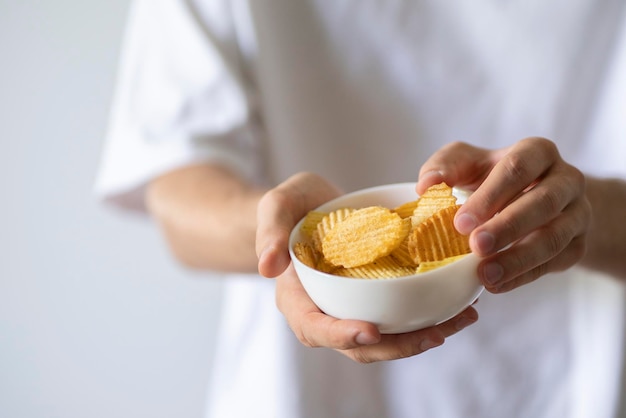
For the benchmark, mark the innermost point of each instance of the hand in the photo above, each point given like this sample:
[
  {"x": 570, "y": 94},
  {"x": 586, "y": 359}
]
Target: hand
[
  {"x": 528, "y": 215},
  {"x": 278, "y": 212},
  {"x": 361, "y": 341}
]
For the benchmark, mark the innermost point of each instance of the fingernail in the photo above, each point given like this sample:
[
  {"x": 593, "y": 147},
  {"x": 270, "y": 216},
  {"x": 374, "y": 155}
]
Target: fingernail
[
  {"x": 364, "y": 338},
  {"x": 484, "y": 242},
  {"x": 465, "y": 223},
  {"x": 492, "y": 273},
  {"x": 427, "y": 344}
]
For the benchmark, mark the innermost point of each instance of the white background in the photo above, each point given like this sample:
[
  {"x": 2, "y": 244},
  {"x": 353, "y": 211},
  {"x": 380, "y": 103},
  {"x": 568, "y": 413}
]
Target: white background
[{"x": 96, "y": 319}]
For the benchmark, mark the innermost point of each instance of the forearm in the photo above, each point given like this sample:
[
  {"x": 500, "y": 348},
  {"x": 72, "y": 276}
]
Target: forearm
[
  {"x": 606, "y": 244},
  {"x": 208, "y": 216}
]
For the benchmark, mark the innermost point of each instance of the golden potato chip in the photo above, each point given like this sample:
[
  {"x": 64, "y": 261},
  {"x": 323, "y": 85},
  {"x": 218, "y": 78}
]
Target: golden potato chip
[
  {"x": 324, "y": 266},
  {"x": 383, "y": 268},
  {"x": 435, "y": 198},
  {"x": 406, "y": 209},
  {"x": 308, "y": 255},
  {"x": 305, "y": 253},
  {"x": 438, "y": 190},
  {"x": 436, "y": 238},
  {"x": 309, "y": 224},
  {"x": 327, "y": 223},
  {"x": 401, "y": 253},
  {"x": 365, "y": 235},
  {"x": 377, "y": 242},
  {"x": 431, "y": 265}
]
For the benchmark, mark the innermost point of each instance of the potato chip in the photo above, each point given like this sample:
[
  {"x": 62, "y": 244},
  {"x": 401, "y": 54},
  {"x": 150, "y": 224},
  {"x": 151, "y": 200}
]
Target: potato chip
[
  {"x": 436, "y": 238},
  {"x": 406, "y": 209},
  {"x": 306, "y": 254},
  {"x": 376, "y": 242},
  {"x": 383, "y": 268},
  {"x": 309, "y": 224},
  {"x": 425, "y": 266},
  {"x": 362, "y": 237},
  {"x": 435, "y": 198},
  {"x": 327, "y": 223},
  {"x": 401, "y": 253}
]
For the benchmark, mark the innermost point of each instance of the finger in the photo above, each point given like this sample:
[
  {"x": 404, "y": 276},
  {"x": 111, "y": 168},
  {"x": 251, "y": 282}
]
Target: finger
[
  {"x": 396, "y": 346},
  {"x": 314, "y": 328},
  {"x": 534, "y": 208},
  {"x": 558, "y": 245},
  {"x": 563, "y": 261},
  {"x": 458, "y": 164},
  {"x": 278, "y": 212},
  {"x": 519, "y": 168},
  {"x": 459, "y": 322}
]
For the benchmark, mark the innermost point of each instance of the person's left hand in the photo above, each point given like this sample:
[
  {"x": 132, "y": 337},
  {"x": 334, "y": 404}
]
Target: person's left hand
[{"x": 528, "y": 215}]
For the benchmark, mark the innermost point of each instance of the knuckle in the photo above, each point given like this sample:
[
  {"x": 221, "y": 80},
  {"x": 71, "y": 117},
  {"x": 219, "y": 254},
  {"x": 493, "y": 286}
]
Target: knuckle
[
  {"x": 578, "y": 248},
  {"x": 576, "y": 181},
  {"x": 405, "y": 351},
  {"x": 302, "y": 337},
  {"x": 511, "y": 227},
  {"x": 515, "y": 167},
  {"x": 517, "y": 264},
  {"x": 577, "y": 178},
  {"x": 556, "y": 240},
  {"x": 543, "y": 145},
  {"x": 456, "y": 146},
  {"x": 360, "y": 356},
  {"x": 550, "y": 148},
  {"x": 301, "y": 333},
  {"x": 272, "y": 200},
  {"x": 551, "y": 200}
]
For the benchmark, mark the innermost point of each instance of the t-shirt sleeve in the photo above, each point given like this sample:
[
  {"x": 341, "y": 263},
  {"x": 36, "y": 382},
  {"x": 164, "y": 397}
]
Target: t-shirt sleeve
[{"x": 180, "y": 99}]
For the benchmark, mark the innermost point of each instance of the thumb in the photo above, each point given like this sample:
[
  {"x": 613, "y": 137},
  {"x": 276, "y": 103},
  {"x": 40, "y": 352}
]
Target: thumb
[{"x": 278, "y": 212}]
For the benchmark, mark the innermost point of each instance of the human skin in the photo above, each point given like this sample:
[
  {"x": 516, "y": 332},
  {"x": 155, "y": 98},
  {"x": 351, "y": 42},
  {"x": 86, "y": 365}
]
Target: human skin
[
  {"x": 551, "y": 214},
  {"x": 208, "y": 216}
]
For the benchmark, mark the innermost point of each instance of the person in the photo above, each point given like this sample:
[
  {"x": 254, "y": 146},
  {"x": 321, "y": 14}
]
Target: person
[{"x": 233, "y": 118}]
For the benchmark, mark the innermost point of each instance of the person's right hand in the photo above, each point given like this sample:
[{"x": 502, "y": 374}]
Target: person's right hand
[{"x": 278, "y": 212}]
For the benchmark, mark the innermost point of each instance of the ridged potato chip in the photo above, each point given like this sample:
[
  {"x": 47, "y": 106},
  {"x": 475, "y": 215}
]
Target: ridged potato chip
[
  {"x": 382, "y": 268},
  {"x": 380, "y": 243},
  {"x": 309, "y": 256},
  {"x": 306, "y": 253},
  {"x": 309, "y": 224},
  {"x": 327, "y": 223},
  {"x": 425, "y": 266},
  {"x": 435, "y": 198},
  {"x": 362, "y": 237},
  {"x": 401, "y": 253},
  {"x": 406, "y": 210},
  {"x": 436, "y": 238}
]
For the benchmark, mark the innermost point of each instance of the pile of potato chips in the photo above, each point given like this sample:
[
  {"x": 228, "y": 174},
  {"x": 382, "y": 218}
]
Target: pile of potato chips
[{"x": 377, "y": 243}]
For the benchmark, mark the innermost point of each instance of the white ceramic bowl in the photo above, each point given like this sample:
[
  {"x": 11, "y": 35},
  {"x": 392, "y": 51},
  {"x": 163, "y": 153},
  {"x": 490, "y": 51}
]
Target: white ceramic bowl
[{"x": 394, "y": 305}]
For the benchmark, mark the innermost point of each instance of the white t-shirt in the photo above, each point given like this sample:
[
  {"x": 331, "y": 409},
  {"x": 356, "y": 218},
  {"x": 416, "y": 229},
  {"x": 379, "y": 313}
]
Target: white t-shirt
[{"x": 363, "y": 92}]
